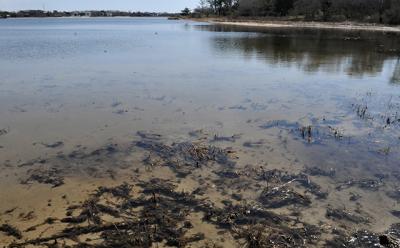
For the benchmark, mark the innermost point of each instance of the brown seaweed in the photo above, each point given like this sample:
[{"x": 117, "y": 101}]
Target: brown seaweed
[
  {"x": 232, "y": 138},
  {"x": 280, "y": 123},
  {"x": 364, "y": 238},
  {"x": 11, "y": 231},
  {"x": 310, "y": 134},
  {"x": 279, "y": 177},
  {"x": 257, "y": 236},
  {"x": 148, "y": 135},
  {"x": 368, "y": 184},
  {"x": 184, "y": 157},
  {"x": 50, "y": 176},
  {"x": 53, "y": 145},
  {"x": 159, "y": 215},
  {"x": 394, "y": 194},
  {"x": 282, "y": 196},
  {"x": 122, "y": 190},
  {"x": 254, "y": 144},
  {"x": 159, "y": 220},
  {"x": 316, "y": 171},
  {"x": 342, "y": 214}
]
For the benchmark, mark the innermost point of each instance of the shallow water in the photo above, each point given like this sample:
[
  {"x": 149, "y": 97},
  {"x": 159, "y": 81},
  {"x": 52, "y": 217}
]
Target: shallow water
[{"x": 74, "y": 93}]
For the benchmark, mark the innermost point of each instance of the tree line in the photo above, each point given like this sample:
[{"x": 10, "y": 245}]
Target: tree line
[
  {"x": 92, "y": 13},
  {"x": 374, "y": 11}
]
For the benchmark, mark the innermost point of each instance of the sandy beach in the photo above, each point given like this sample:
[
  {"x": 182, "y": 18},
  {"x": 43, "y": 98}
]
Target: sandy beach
[{"x": 301, "y": 24}]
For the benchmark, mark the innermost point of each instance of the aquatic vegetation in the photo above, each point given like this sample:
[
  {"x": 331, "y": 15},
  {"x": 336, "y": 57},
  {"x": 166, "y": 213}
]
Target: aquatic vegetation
[
  {"x": 116, "y": 104},
  {"x": 394, "y": 231},
  {"x": 317, "y": 133},
  {"x": 80, "y": 154},
  {"x": 361, "y": 111},
  {"x": 282, "y": 196},
  {"x": 228, "y": 174},
  {"x": 186, "y": 156},
  {"x": 121, "y": 111},
  {"x": 342, "y": 214},
  {"x": 394, "y": 194},
  {"x": 316, "y": 171},
  {"x": 197, "y": 133},
  {"x": 280, "y": 123},
  {"x": 4, "y": 131},
  {"x": 53, "y": 145},
  {"x": 122, "y": 190},
  {"x": 254, "y": 144},
  {"x": 148, "y": 135},
  {"x": 11, "y": 231},
  {"x": 238, "y": 107},
  {"x": 385, "y": 151},
  {"x": 266, "y": 236},
  {"x": 364, "y": 238},
  {"x": 278, "y": 180},
  {"x": 306, "y": 133},
  {"x": 159, "y": 220},
  {"x": 232, "y": 138},
  {"x": 354, "y": 196},
  {"x": 164, "y": 218},
  {"x": 395, "y": 213},
  {"x": 160, "y": 214},
  {"x": 38, "y": 161},
  {"x": 52, "y": 176},
  {"x": 382, "y": 111},
  {"x": 368, "y": 184},
  {"x": 54, "y": 169}
]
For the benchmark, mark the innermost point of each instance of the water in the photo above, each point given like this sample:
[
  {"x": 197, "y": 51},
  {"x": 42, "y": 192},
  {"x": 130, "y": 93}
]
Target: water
[{"x": 308, "y": 102}]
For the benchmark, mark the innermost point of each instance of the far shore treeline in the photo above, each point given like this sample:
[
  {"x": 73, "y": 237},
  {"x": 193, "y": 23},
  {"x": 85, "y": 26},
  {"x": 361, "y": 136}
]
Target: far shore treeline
[
  {"x": 371, "y": 11},
  {"x": 89, "y": 13}
]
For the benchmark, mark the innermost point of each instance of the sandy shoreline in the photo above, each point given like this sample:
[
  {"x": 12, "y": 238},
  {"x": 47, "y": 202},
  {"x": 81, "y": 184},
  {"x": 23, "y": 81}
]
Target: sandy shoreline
[{"x": 301, "y": 24}]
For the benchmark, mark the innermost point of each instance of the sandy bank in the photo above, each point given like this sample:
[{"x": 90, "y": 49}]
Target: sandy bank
[{"x": 301, "y": 24}]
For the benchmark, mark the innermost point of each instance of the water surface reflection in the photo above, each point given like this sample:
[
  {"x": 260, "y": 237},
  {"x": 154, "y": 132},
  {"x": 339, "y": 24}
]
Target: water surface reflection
[{"x": 353, "y": 52}]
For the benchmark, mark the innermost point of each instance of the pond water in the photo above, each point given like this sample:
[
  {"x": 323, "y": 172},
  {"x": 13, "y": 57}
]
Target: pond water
[{"x": 232, "y": 136}]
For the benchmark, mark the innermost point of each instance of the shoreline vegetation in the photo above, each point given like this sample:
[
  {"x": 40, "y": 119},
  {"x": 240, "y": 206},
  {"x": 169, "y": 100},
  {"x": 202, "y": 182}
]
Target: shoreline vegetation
[{"x": 368, "y": 15}]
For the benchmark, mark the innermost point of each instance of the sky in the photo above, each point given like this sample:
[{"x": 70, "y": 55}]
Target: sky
[{"x": 127, "y": 5}]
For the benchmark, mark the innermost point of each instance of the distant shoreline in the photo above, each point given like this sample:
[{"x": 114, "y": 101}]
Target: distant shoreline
[
  {"x": 81, "y": 17},
  {"x": 351, "y": 26}
]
